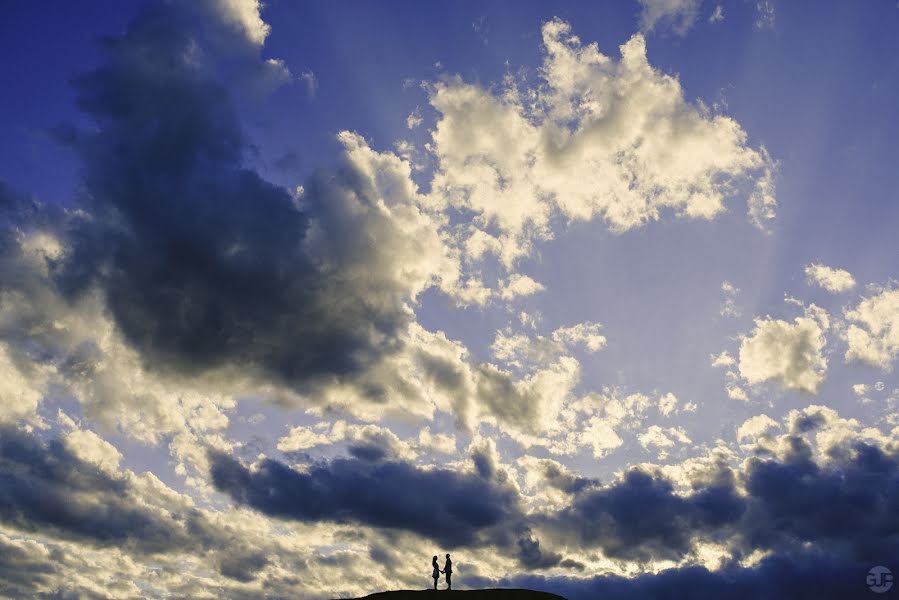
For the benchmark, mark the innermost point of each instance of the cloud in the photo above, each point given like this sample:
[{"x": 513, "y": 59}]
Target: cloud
[
  {"x": 586, "y": 334},
  {"x": 791, "y": 353},
  {"x": 724, "y": 359},
  {"x": 203, "y": 264},
  {"x": 717, "y": 15},
  {"x": 520, "y": 285},
  {"x": 311, "y": 81},
  {"x": 610, "y": 139},
  {"x": 765, "y": 14},
  {"x": 641, "y": 518},
  {"x": 729, "y": 307},
  {"x": 663, "y": 439},
  {"x": 831, "y": 279},
  {"x": 754, "y": 428},
  {"x": 244, "y": 15},
  {"x": 777, "y": 507},
  {"x": 47, "y": 488},
  {"x": 679, "y": 15},
  {"x": 366, "y": 442},
  {"x": 667, "y": 404},
  {"x": 521, "y": 350},
  {"x": 451, "y": 507},
  {"x": 817, "y": 575},
  {"x": 873, "y": 333},
  {"x": 414, "y": 119}
]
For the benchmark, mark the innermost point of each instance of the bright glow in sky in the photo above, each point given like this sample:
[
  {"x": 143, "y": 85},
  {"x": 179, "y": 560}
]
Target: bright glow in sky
[{"x": 600, "y": 299}]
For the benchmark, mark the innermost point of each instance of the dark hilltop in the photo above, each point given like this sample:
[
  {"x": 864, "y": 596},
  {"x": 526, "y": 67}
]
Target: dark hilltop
[{"x": 489, "y": 594}]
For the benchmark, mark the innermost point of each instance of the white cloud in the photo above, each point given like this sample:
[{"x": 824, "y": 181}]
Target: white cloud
[
  {"x": 723, "y": 360},
  {"x": 831, "y": 279},
  {"x": 244, "y": 15},
  {"x": 600, "y": 435},
  {"x": 729, "y": 308},
  {"x": 663, "y": 438},
  {"x": 601, "y": 138},
  {"x": 21, "y": 385},
  {"x": 667, "y": 404},
  {"x": 735, "y": 392},
  {"x": 440, "y": 442},
  {"x": 873, "y": 338},
  {"x": 414, "y": 119},
  {"x": 90, "y": 447},
  {"x": 680, "y": 15},
  {"x": 756, "y": 427},
  {"x": 520, "y": 285},
  {"x": 582, "y": 333},
  {"x": 791, "y": 353},
  {"x": 717, "y": 15}
]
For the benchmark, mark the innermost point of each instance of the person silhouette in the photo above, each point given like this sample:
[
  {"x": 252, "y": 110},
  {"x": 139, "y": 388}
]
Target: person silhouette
[
  {"x": 436, "y": 573},
  {"x": 448, "y": 570}
]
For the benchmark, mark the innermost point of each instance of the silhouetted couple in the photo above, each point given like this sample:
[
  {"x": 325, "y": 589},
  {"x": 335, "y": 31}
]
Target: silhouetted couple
[{"x": 447, "y": 570}]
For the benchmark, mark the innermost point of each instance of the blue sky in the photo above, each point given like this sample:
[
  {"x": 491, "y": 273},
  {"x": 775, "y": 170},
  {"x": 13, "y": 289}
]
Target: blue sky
[{"x": 533, "y": 264}]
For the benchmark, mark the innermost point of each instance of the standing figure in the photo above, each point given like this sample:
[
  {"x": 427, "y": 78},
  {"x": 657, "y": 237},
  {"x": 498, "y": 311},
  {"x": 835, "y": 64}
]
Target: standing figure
[
  {"x": 448, "y": 569},
  {"x": 436, "y": 573}
]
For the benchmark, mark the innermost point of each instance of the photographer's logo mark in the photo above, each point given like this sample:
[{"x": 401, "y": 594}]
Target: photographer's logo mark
[{"x": 880, "y": 579}]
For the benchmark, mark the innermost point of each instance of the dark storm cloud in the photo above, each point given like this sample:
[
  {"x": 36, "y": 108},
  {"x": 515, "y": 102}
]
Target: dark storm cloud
[
  {"x": 642, "y": 518},
  {"x": 23, "y": 569},
  {"x": 822, "y": 526},
  {"x": 205, "y": 264},
  {"x": 532, "y": 557},
  {"x": 812, "y": 576},
  {"x": 45, "y": 488},
  {"x": 453, "y": 508},
  {"x": 556, "y": 476},
  {"x": 850, "y": 508}
]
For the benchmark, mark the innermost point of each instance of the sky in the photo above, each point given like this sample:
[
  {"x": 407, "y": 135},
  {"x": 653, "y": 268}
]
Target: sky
[{"x": 600, "y": 298}]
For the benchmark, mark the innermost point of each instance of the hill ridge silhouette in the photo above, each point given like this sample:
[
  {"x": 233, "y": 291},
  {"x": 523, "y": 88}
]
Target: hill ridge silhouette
[{"x": 482, "y": 594}]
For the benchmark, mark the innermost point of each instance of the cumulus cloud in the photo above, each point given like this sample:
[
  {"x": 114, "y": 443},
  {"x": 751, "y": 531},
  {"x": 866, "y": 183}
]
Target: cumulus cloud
[
  {"x": 873, "y": 332},
  {"x": 724, "y": 359},
  {"x": 831, "y": 279},
  {"x": 520, "y": 285},
  {"x": 663, "y": 439},
  {"x": 586, "y": 334},
  {"x": 366, "y": 442},
  {"x": 790, "y": 353},
  {"x": 667, "y": 404},
  {"x": 756, "y": 427},
  {"x": 599, "y": 138},
  {"x": 205, "y": 266},
  {"x": 679, "y": 15}
]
